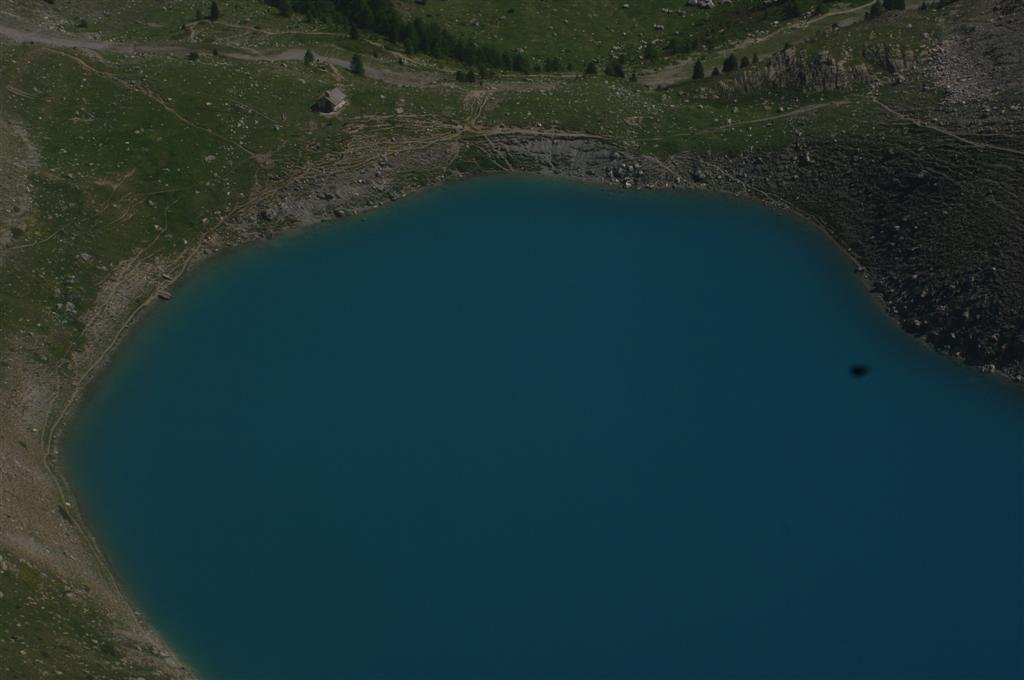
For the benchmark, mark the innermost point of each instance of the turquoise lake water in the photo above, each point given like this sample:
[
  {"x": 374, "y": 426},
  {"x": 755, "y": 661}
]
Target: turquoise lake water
[{"x": 515, "y": 428}]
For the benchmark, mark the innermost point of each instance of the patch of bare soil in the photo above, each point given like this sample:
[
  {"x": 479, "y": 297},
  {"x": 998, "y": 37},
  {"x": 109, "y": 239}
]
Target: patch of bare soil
[{"x": 18, "y": 160}]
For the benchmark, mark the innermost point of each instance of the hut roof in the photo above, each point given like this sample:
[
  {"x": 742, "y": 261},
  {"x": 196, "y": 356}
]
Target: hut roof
[{"x": 335, "y": 96}]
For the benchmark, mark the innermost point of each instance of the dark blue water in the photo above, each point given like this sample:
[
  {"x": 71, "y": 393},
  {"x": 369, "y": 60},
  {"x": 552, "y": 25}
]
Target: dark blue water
[{"x": 526, "y": 429}]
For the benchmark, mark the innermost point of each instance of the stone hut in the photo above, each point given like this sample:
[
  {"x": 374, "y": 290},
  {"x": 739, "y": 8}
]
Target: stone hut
[{"x": 330, "y": 101}]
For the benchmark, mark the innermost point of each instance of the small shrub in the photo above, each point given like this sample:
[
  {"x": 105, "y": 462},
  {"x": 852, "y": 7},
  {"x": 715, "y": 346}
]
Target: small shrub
[{"x": 357, "y": 65}]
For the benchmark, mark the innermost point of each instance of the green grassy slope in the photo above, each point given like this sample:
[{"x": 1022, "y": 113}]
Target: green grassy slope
[{"x": 49, "y": 629}]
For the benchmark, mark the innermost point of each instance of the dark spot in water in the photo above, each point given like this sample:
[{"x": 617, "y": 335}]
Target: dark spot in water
[{"x": 858, "y": 370}]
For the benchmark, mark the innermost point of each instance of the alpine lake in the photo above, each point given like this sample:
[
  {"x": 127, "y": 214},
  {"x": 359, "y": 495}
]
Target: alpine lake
[{"x": 524, "y": 428}]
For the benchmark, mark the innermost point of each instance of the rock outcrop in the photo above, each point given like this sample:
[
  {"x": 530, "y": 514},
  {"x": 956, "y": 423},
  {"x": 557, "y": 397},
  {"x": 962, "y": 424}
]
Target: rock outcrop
[
  {"x": 890, "y": 58},
  {"x": 793, "y": 71}
]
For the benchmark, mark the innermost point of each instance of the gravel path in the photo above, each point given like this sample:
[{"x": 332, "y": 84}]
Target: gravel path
[{"x": 17, "y": 35}]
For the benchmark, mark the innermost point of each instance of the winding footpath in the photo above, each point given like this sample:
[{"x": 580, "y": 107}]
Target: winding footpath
[{"x": 25, "y": 37}]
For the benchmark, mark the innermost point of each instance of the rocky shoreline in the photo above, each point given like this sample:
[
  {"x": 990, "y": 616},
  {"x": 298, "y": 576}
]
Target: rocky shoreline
[{"x": 964, "y": 304}]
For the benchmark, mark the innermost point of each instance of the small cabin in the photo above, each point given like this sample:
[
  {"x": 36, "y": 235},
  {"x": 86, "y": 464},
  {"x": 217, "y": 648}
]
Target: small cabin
[{"x": 330, "y": 101}]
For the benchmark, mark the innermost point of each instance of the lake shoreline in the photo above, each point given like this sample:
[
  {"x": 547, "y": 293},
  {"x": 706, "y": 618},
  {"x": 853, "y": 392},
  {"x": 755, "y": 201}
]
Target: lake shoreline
[
  {"x": 216, "y": 284},
  {"x": 50, "y": 396}
]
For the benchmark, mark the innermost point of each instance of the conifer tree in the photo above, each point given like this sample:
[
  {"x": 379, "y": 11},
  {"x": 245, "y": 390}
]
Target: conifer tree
[
  {"x": 615, "y": 69},
  {"x": 416, "y": 35},
  {"x": 698, "y": 70}
]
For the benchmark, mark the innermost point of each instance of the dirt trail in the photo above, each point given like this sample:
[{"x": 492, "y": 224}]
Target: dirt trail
[
  {"x": 935, "y": 128},
  {"x": 393, "y": 76},
  {"x": 755, "y": 121},
  {"x": 17, "y": 35},
  {"x": 779, "y": 116},
  {"x": 680, "y": 71}
]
